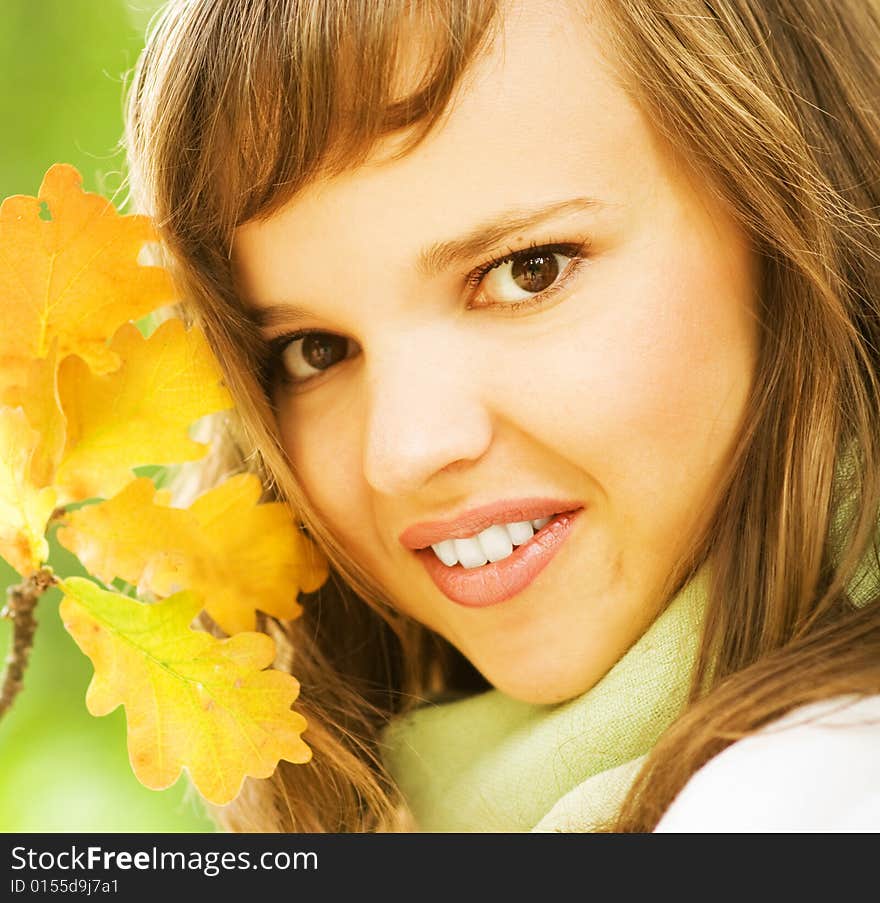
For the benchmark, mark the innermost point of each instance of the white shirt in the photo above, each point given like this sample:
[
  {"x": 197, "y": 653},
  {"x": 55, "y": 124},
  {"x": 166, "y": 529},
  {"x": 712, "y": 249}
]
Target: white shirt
[{"x": 816, "y": 769}]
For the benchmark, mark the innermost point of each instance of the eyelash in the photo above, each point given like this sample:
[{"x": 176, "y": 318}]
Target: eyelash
[
  {"x": 273, "y": 369},
  {"x": 576, "y": 251}
]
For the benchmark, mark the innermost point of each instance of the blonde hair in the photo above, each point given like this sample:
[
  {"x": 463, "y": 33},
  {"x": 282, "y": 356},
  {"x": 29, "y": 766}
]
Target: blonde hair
[{"x": 237, "y": 104}]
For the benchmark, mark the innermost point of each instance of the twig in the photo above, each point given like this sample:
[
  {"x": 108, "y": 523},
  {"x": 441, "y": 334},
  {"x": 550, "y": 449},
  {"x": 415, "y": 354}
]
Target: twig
[{"x": 20, "y": 603}]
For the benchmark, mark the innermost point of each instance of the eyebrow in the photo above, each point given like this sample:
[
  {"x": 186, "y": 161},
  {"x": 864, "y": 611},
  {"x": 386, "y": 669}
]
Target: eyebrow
[
  {"x": 442, "y": 256},
  {"x": 488, "y": 235}
]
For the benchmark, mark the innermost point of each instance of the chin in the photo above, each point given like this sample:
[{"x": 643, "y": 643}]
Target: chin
[{"x": 542, "y": 688}]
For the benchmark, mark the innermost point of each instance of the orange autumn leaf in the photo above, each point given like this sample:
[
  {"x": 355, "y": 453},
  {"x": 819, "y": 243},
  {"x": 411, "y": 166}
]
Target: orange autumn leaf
[
  {"x": 260, "y": 556},
  {"x": 238, "y": 555},
  {"x": 139, "y": 414},
  {"x": 24, "y": 508},
  {"x": 108, "y": 538},
  {"x": 73, "y": 276},
  {"x": 84, "y": 399},
  {"x": 191, "y": 701},
  {"x": 36, "y": 392}
]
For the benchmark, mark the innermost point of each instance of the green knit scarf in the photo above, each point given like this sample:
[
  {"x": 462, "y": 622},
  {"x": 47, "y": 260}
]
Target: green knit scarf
[{"x": 490, "y": 763}]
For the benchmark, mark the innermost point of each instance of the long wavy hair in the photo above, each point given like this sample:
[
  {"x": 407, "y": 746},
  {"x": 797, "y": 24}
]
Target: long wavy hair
[{"x": 236, "y": 105}]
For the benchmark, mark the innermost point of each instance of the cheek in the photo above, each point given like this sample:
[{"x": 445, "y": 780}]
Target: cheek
[
  {"x": 323, "y": 451},
  {"x": 650, "y": 382}
]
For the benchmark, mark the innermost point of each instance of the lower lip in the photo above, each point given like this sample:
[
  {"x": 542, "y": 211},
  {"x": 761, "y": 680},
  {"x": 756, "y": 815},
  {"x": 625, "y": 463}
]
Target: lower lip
[{"x": 499, "y": 581}]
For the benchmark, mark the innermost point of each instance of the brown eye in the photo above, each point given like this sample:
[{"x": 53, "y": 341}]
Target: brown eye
[
  {"x": 536, "y": 272},
  {"x": 525, "y": 275},
  {"x": 310, "y": 354},
  {"x": 322, "y": 350}
]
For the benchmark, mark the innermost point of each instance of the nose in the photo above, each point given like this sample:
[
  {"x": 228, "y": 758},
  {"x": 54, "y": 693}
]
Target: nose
[{"x": 424, "y": 415}]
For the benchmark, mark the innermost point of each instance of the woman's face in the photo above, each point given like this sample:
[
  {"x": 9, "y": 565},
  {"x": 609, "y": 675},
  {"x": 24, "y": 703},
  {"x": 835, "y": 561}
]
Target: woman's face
[{"x": 603, "y": 368}]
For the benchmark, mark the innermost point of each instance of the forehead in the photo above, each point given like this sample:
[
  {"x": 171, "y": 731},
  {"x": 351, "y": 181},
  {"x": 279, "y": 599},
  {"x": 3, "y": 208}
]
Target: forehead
[{"x": 538, "y": 119}]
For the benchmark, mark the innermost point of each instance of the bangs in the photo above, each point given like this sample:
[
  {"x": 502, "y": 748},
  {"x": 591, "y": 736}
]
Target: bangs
[{"x": 237, "y": 104}]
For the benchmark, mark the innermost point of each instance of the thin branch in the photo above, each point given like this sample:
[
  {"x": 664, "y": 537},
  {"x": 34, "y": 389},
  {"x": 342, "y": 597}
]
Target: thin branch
[{"x": 21, "y": 600}]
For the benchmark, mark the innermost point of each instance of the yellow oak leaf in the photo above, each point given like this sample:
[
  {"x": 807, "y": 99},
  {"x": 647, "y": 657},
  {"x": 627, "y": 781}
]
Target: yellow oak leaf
[
  {"x": 238, "y": 555},
  {"x": 74, "y": 276},
  {"x": 191, "y": 701},
  {"x": 35, "y": 390},
  {"x": 258, "y": 553},
  {"x": 130, "y": 534},
  {"x": 140, "y": 413},
  {"x": 24, "y": 508}
]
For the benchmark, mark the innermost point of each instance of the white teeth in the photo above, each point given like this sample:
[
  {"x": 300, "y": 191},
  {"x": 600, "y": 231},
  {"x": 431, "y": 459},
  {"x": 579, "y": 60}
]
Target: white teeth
[
  {"x": 495, "y": 542},
  {"x": 445, "y": 551},
  {"x": 520, "y": 532},
  {"x": 469, "y": 552}
]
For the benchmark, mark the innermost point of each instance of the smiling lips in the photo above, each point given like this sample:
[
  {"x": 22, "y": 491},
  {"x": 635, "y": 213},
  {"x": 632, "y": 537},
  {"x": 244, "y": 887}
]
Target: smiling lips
[{"x": 473, "y": 560}]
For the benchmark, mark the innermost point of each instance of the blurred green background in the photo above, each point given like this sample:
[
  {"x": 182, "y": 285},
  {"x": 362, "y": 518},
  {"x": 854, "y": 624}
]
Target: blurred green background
[{"x": 63, "y": 67}]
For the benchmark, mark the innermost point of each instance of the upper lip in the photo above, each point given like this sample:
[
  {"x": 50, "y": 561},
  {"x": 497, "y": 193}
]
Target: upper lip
[{"x": 469, "y": 523}]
